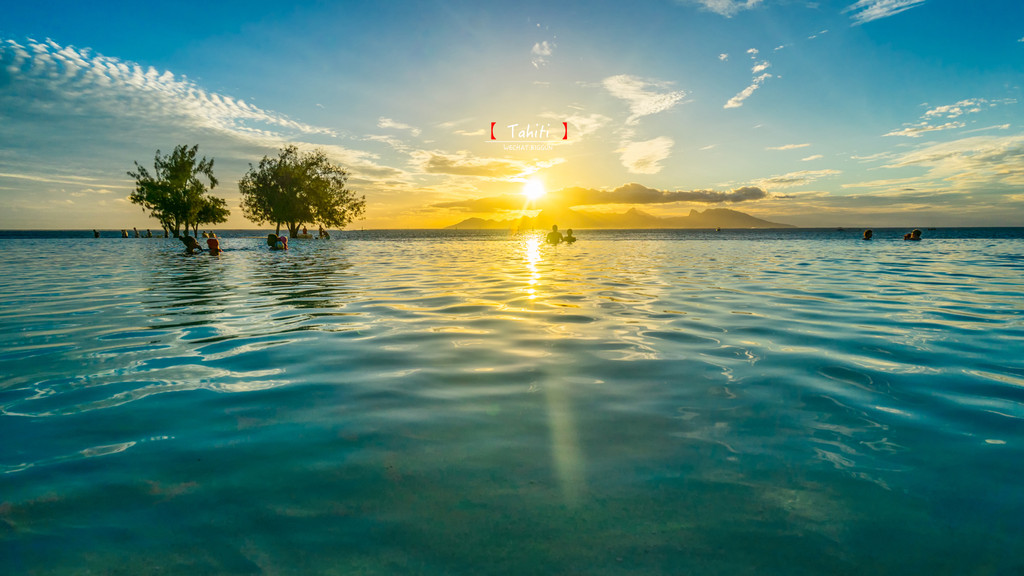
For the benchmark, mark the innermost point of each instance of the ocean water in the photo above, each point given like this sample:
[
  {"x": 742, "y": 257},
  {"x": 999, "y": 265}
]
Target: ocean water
[{"x": 656, "y": 402}]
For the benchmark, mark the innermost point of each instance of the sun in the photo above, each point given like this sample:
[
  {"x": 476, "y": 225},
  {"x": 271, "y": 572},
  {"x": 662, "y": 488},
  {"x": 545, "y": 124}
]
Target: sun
[{"x": 533, "y": 189}]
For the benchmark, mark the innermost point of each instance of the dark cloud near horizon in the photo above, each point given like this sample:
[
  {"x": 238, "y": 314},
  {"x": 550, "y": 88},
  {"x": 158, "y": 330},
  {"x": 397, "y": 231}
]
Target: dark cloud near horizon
[{"x": 631, "y": 193}]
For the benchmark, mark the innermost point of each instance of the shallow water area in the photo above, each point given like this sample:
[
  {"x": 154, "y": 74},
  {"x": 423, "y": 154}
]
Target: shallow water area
[{"x": 656, "y": 402}]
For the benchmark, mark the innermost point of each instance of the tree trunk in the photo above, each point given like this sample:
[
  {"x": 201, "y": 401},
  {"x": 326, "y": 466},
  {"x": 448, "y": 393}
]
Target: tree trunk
[{"x": 278, "y": 229}]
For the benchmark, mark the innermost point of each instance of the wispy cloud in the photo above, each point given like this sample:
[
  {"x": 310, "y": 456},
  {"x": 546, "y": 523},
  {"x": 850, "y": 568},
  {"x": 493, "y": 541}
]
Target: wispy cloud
[
  {"x": 124, "y": 87},
  {"x": 388, "y": 123},
  {"x": 644, "y": 97},
  {"x": 812, "y": 157},
  {"x": 973, "y": 160},
  {"x": 580, "y": 125},
  {"x": 948, "y": 112},
  {"x": 789, "y": 146},
  {"x": 795, "y": 178},
  {"x": 916, "y": 130},
  {"x": 727, "y": 8},
  {"x": 464, "y": 163},
  {"x": 723, "y": 57},
  {"x": 737, "y": 100},
  {"x": 868, "y": 10},
  {"x": 541, "y": 53},
  {"x": 645, "y": 157}
]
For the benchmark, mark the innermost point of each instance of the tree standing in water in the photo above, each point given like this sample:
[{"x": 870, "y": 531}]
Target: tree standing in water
[
  {"x": 174, "y": 194},
  {"x": 296, "y": 189}
]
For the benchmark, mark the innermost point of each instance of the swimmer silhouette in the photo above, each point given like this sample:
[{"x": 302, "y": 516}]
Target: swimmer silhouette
[
  {"x": 191, "y": 245},
  {"x": 915, "y": 235},
  {"x": 554, "y": 237},
  {"x": 569, "y": 238},
  {"x": 867, "y": 234}
]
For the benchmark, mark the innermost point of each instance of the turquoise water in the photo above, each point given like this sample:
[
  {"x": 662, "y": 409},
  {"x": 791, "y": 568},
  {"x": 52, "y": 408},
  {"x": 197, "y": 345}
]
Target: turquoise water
[{"x": 394, "y": 403}]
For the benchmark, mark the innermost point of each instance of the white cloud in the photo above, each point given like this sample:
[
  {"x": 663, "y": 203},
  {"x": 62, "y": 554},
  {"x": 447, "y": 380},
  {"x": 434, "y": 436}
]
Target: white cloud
[
  {"x": 580, "y": 125},
  {"x": 126, "y": 87},
  {"x": 760, "y": 67},
  {"x": 986, "y": 128},
  {"x": 541, "y": 52},
  {"x": 916, "y": 130},
  {"x": 788, "y": 146},
  {"x": 643, "y": 101},
  {"x": 954, "y": 110},
  {"x": 812, "y": 157},
  {"x": 723, "y": 57},
  {"x": 868, "y": 10},
  {"x": 644, "y": 157},
  {"x": 753, "y": 52},
  {"x": 737, "y": 100},
  {"x": 388, "y": 123},
  {"x": 727, "y": 8},
  {"x": 948, "y": 112}
]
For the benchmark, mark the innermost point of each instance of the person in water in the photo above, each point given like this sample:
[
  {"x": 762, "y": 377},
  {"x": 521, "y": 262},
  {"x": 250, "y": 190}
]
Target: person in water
[
  {"x": 191, "y": 245},
  {"x": 272, "y": 240},
  {"x": 324, "y": 234},
  {"x": 914, "y": 235},
  {"x": 213, "y": 246},
  {"x": 867, "y": 234},
  {"x": 569, "y": 238},
  {"x": 554, "y": 237},
  {"x": 95, "y": 233}
]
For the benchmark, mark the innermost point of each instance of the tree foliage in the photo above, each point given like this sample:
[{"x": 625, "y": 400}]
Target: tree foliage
[
  {"x": 174, "y": 194},
  {"x": 295, "y": 189}
]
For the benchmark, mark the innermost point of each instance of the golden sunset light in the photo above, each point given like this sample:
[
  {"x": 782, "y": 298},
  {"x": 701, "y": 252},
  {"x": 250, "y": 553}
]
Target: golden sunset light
[{"x": 533, "y": 189}]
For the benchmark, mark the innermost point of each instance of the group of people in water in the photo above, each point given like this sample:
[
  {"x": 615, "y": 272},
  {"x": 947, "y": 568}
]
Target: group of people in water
[
  {"x": 914, "y": 235},
  {"x": 555, "y": 237},
  {"x": 213, "y": 248},
  {"x": 192, "y": 245}
]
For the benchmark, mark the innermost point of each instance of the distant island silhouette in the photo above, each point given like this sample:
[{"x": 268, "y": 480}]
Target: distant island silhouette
[{"x": 632, "y": 219}]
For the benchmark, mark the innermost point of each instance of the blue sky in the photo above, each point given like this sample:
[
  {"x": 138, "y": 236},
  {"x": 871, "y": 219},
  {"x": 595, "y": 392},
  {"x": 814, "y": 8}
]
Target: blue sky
[{"x": 844, "y": 113}]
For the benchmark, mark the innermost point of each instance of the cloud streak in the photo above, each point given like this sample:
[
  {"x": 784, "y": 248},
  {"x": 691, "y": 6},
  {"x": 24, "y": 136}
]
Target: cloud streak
[
  {"x": 727, "y": 8},
  {"x": 868, "y": 10},
  {"x": 737, "y": 100},
  {"x": 126, "y": 87},
  {"x": 645, "y": 157},
  {"x": 643, "y": 97},
  {"x": 541, "y": 53}
]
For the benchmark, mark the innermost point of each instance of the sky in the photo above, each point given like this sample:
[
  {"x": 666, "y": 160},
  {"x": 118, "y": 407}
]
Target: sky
[{"x": 830, "y": 113}]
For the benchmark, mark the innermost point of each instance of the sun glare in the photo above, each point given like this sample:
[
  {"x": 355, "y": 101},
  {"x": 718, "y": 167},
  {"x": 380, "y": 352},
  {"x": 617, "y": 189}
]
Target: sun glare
[{"x": 533, "y": 189}]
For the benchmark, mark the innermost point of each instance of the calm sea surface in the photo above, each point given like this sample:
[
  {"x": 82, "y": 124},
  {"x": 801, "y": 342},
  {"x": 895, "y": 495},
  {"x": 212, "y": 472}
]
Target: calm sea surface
[{"x": 657, "y": 402}]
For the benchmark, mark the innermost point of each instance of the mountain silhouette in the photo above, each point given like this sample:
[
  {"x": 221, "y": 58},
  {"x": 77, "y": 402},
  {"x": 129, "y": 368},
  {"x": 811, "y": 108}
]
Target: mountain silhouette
[{"x": 633, "y": 218}]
